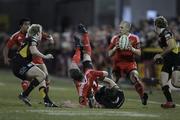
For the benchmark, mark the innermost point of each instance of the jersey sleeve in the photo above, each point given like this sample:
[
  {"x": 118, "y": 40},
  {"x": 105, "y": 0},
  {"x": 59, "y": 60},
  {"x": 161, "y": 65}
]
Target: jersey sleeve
[
  {"x": 112, "y": 43},
  {"x": 167, "y": 35},
  {"x": 11, "y": 42},
  {"x": 32, "y": 42},
  {"x": 97, "y": 74},
  {"x": 137, "y": 43}
]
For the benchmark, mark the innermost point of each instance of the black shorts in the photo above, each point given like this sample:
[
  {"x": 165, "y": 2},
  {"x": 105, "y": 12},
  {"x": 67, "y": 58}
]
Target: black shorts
[
  {"x": 20, "y": 69},
  {"x": 170, "y": 61}
]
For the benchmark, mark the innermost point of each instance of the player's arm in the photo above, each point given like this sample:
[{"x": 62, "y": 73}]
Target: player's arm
[
  {"x": 136, "y": 50},
  {"x": 171, "y": 44},
  {"x": 112, "y": 47},
  {"x": 103, "y": 77},
  {"x": 34, "y": 51},
  {"x": 5, "y": 55},
  {"x": 10, "y": 43},
  {"x": 112, "y": 51}
]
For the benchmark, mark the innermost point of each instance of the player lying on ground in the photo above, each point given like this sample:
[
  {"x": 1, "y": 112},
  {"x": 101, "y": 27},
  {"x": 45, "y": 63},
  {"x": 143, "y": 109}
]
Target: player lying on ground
[{"x": 87, "y": 84}]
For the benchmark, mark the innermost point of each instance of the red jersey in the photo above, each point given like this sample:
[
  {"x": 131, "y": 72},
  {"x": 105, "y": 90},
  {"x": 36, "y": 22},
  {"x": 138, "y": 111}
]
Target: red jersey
[
  {"x": 124, "y": 55},
  {"x": 16, "y": 39},
  {"x": 89, "y": 78}
]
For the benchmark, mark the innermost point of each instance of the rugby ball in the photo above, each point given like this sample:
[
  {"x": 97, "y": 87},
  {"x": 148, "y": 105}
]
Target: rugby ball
[{"x": 123, "y": 42}]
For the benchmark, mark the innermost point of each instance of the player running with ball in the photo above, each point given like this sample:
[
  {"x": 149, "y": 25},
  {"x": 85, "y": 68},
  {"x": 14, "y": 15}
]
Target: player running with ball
[{"x": 122, "y": 49}]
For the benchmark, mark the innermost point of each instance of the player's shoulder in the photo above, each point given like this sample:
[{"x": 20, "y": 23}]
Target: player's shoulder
[
  {"x": 167, "y": 34},
  {"x": 17, "y": 35},
  {"x": 114, "y": 38},
  {"x": 133, "y": 37}
]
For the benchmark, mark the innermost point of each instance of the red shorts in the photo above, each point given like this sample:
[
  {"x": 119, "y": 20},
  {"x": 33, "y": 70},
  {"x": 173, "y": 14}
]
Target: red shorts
[
  {"x": 125, "y": 67},
  {"x": 38, "y": 60}
]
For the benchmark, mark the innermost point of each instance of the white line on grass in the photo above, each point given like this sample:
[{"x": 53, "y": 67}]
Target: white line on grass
[
  {"x": 95, "y": 113},
  {"x": 152, "y": 102}
]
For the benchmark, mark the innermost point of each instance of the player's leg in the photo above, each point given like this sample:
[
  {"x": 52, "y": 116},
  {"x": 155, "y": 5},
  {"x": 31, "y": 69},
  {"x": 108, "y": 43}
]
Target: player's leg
[
  {"x": 176, "y": 78},
  {"x": 74, "y": 70},
  {"x": 116, "y": 75},
  {"x": 85, "y": 39},
  {"x": 38, "y": 77},
  {"x": 134, "y": 77},
  {"x": 35, "y": 76},
  {"x": 166, "y": 71},
  {"x": 44, "y": 69}
]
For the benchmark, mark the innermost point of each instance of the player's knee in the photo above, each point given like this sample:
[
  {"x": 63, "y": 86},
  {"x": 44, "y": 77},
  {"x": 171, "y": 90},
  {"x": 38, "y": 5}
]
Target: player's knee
[
  {"x": 41, "y": 76},
  {"x": 176, "y": 78},
  {"x": 43, "y": 83},
  {"x": 76, "y": 74},
  {"x": 134, "y": 76}
]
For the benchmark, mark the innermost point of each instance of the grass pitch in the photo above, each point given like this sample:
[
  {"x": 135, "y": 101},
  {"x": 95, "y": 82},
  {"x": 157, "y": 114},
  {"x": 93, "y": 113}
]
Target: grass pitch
[{"x": 63, "y": 92}]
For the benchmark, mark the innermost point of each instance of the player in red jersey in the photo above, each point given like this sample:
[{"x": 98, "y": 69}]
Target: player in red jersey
[
  {"x": 16, "y": 41},
  {"x": 88, "y": 83},
  {"x": 124, "y": 59}
]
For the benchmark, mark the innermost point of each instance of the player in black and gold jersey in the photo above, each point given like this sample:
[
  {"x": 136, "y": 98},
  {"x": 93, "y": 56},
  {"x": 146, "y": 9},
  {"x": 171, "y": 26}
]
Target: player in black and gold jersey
[
  {"x": 170, "y": 57},
  {"x": 23, "y": 67}
]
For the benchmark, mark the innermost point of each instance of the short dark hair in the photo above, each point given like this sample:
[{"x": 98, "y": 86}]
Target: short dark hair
[
  {"x": 22, "y": 20},
  {"x": 161, "y": 22}
]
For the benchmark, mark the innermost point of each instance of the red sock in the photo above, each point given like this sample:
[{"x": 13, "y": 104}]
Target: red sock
[
  {"x": 139, "y": 88},
  {"x": 77, "y": 56},
  {"x": 86, "y": 43}
]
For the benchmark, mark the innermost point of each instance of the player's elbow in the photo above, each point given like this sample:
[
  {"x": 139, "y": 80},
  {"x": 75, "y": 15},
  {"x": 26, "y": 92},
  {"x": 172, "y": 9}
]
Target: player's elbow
[{"x": 105, "y": 74}]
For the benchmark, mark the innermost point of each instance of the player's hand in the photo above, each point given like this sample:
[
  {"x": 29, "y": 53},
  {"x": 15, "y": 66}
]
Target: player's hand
[
  {"x": 105, "y": 73},
  {"x": 82, "y": 29},
  {"x": 49, "y": 56},
  {"x": 158, "y": 58},
  {"x": 130, "y": 48}
]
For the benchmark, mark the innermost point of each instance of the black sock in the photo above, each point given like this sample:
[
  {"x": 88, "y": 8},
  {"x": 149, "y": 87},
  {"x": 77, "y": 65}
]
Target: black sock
[
  {"x": 32, "y": 85},
  {"x": 43, "y": 90},
  {"x": 167, "y": 93}
]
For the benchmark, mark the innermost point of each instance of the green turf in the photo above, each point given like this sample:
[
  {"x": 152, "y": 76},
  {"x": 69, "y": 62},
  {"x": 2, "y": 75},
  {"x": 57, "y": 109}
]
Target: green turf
[{"x": 63, "y": 90}]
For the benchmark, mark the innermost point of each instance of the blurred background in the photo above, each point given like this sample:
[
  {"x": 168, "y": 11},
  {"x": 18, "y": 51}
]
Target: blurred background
[{"x": 102, "y": 17}]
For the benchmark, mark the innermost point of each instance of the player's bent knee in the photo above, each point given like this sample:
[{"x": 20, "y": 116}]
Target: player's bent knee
[
  {"x": 41, "y": 76},
  {"x": 176, "y": 78},
  {"x": 76, "y": 74}
]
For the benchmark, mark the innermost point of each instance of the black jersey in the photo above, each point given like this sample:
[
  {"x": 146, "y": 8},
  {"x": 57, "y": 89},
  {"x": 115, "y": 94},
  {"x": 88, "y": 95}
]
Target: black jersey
[
  {"x": 164, "y": 36},
  {"x": 24, "y": 55},
  {"x": 110, "y": 98}
]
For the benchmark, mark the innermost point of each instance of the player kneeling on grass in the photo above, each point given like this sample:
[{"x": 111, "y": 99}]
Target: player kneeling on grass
[
  {"x": 87, "y": 83},
  {"x": 23, "y": 67}
]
